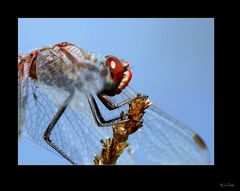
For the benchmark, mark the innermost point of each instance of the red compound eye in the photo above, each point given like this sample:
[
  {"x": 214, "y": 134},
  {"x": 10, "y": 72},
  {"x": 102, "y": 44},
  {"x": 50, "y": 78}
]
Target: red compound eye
[{"x": 116, "y": 68}]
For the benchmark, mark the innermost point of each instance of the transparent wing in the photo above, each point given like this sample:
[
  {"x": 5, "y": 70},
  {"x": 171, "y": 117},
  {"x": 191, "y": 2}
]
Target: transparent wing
[
  {"x": 75, "y": 132},
  {"x": 22, "y": 99},
  {"x": 161, "y": 140},
  {"x": 164, "y": 140}
]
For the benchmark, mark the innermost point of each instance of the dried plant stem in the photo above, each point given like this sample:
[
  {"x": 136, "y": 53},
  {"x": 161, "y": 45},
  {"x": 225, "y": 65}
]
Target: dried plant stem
[{"x": 113, "y": 148}]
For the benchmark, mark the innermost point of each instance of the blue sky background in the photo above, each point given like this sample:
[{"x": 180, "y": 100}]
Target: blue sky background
[{"x": 172, "y": 59}]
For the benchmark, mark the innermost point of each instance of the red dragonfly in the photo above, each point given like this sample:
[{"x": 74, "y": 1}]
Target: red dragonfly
[{"x": 65, "y": 96}]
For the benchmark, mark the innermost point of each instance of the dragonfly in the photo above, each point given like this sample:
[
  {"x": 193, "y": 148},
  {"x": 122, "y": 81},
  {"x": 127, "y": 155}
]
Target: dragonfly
[{"x": 69, "y": 98}]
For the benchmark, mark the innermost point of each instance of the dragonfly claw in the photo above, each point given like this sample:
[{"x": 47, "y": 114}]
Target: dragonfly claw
[{"x": 139, "y": 95}]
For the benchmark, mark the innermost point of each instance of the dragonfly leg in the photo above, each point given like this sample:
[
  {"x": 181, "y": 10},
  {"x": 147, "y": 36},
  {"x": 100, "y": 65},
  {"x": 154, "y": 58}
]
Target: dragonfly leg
[
  {"x": 100, "y": 121},
  {"x": 111, "y": 105},
  {"x": 52, "y": 124}
]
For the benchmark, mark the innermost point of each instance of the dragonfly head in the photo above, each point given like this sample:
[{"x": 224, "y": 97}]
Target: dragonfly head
[{"x": 119, "y": 77}]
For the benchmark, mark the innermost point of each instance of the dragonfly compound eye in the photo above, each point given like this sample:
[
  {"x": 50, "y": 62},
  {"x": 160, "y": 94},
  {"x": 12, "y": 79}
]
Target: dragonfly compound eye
[
  {"x": 116, "y": 68},
  {"x": 120, "y": 74}
]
